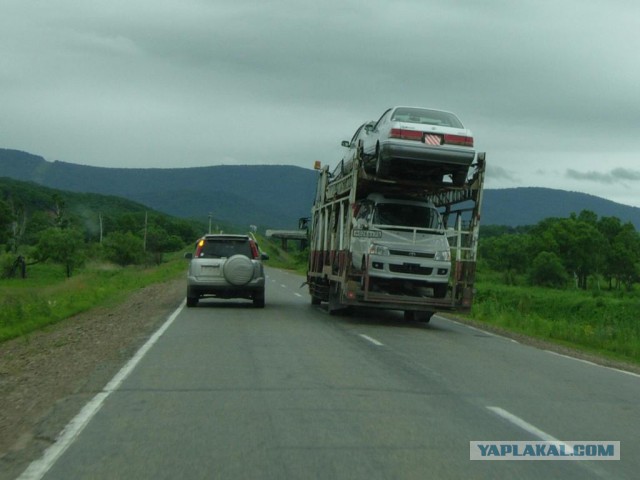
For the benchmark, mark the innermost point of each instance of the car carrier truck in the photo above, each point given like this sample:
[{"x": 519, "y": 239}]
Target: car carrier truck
[{"x": 394, "y": 243}]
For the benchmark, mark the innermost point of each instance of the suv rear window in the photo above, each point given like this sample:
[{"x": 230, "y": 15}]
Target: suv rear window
[{"x": 218, "y": 248}]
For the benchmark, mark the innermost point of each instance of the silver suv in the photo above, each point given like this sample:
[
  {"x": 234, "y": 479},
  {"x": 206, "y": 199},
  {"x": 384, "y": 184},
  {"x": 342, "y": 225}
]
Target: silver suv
[{"x": 226, "y": 266}]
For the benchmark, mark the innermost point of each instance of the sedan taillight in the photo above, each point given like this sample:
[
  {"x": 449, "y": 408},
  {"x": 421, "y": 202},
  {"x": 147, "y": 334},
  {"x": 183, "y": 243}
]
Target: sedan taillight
[
  {"x": 406, "y": 134},
  {"x": 458, "y": 140}
]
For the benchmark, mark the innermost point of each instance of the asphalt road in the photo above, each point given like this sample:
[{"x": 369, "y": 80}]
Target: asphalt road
[{"x": 232, "y": 392}]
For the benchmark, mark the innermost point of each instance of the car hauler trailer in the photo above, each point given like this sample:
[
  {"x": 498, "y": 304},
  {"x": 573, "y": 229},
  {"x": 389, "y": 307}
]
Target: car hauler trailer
[{"x": 394, "y": 243}]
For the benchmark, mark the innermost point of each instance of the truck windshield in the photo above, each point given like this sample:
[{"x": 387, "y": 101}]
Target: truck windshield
[{"x": 406, "y": 216}]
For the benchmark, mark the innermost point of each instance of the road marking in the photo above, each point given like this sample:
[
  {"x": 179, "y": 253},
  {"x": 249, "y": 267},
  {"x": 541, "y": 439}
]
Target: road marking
[
  {"x": 536, "y": 432},
  {"x": 372, "y": 340},
  {"x": 70, "y": 433},
  {"x": 485, "y": 332},
  {"x": 592, "y": 363},
  {"x": 283, "y": 286},
  {"x": 297, "y": 294}
]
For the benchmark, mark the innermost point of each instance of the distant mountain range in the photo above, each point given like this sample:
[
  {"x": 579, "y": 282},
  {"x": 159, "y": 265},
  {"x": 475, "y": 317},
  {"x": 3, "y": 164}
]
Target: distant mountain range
[{"x": 271, "y": 196}]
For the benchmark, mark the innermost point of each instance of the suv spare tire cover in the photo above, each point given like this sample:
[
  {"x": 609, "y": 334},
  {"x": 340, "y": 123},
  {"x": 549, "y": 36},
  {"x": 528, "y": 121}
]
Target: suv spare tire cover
[{"x": 238, "y": 270}]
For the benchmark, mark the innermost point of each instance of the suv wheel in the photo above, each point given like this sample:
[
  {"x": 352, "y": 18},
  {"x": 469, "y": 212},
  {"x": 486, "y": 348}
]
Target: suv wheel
[
  {"x": 191, "y": 301},
  {"x": 258, "y": 299}
]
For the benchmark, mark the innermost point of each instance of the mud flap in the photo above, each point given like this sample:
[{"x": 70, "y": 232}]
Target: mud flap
[{"x": 335, "y": 307}]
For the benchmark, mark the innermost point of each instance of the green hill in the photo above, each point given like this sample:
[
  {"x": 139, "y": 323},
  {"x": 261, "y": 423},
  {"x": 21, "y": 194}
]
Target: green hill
[
  {"x": 38, "y": 204},
  {"x": 271, "y": 196}
]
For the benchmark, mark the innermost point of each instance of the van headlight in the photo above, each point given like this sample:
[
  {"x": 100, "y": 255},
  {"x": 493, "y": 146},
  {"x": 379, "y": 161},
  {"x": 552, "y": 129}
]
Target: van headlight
[
  {"x": 378, "y": 250},
  {"x": 443, "y": 256}
]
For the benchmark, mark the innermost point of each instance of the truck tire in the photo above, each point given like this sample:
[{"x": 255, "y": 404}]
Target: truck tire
[
  {"x": 238, "y": 270},
  {"x": 414, "y": 316},
  {"x": 440, "y": 290}
]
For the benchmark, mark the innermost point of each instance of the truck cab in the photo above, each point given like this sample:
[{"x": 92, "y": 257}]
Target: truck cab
[{"x": 401, "y": 244}]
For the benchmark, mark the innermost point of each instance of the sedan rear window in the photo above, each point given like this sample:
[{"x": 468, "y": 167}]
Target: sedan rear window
[{"x": 425, "y": 116}]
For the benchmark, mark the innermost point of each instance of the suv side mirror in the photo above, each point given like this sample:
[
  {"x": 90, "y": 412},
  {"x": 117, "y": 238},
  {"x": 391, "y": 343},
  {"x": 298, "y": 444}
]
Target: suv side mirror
[
  {"x": 188, "y": 255},
  {"x": 346, "y": 143},
  {"x": 264, "y": 256}
]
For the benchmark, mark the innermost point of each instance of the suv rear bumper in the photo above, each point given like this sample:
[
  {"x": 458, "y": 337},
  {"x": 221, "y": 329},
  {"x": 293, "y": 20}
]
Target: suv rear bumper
[{"x": 222, "y": 289}]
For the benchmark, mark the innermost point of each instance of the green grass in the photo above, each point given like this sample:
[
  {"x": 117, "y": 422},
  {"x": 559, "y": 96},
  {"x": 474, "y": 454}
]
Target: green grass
[
  {"x": 607, "y": 323},
  {"x": 292, "y": 259},
  {"x": 46, "y": 296}
]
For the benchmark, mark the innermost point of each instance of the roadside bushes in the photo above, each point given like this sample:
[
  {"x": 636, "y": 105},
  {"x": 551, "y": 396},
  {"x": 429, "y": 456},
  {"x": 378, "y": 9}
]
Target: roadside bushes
[
  {"x": 124, "y": 248},
  {"x": 602, "y": 323},
  {"x": 547, "y": 271}
]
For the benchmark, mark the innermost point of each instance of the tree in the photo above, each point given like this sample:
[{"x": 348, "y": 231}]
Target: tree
[
  {"x": 159, "y": 242},
  {"x": 124, "y": 248},
  {"x": 6, "y": 220},
  {"x": 547, "y": 271},
  {"x": 624, "y": 256},
  {"x": 507, "y": 253},
  {"x": 63, "y": 246},
  {"x": 579, "y": 244}
]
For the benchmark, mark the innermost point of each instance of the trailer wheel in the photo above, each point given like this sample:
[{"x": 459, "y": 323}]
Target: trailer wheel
[
  {"x": 459, "y": 177},
  {"x": 382, "y": 169},
  {"x": 315, "y": 300}
]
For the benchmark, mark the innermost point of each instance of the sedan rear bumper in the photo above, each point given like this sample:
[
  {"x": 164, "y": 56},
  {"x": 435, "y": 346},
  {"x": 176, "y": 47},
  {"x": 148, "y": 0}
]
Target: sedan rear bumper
[{"x": 428, "y": 155}]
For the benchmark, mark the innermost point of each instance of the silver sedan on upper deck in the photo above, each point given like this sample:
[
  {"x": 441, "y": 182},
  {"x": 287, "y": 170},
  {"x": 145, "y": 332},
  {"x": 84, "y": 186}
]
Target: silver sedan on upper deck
[{"x": 414, "y": 142}]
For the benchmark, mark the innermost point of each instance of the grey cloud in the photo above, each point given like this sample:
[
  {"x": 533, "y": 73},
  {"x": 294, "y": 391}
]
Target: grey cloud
[
  {"x": 617, "y": 175},
  {"x": 499, "y": 173},
  {"x": 145, "y": 83},
  {"x": 625, "y": 174}
]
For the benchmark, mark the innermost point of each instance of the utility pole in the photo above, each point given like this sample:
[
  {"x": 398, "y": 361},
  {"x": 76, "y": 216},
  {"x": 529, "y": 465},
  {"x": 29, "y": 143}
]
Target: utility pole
[
  {"x": 210, "y": 215},
  {"x": 144, "y": 245}
]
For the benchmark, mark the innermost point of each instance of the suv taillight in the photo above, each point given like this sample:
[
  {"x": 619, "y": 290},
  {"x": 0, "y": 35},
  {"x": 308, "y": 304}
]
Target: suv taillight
[
  {"x": 199, "y": 246},
  {"x": 254, "y": 249}
]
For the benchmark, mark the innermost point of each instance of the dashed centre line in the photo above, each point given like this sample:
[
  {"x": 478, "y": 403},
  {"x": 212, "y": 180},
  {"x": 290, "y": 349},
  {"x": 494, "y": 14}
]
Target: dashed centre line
[{"x": 371, "y": 340}]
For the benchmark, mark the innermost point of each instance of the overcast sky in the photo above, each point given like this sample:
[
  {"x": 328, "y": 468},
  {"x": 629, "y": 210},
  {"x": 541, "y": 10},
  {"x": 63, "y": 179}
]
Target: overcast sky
[{"x": 550, "y": 89}]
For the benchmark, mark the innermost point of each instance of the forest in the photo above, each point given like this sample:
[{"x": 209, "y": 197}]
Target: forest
[
  {"x": 38, "y": 224},
  {"x": 582, "y": 251}
]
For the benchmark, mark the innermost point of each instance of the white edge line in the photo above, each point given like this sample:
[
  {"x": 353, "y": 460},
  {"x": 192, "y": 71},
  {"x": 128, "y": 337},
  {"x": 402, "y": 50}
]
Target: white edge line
[
  {"x": 592, "y": 363},
  {"x": 297, "y": 294},
  {"x": 523, "y": 425},
  {"x": 38, "y": 468},
  {"x": 372, "y": 340},
  {"x": 484, "y": 332},
  {"x": 510, "y": 417}
]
